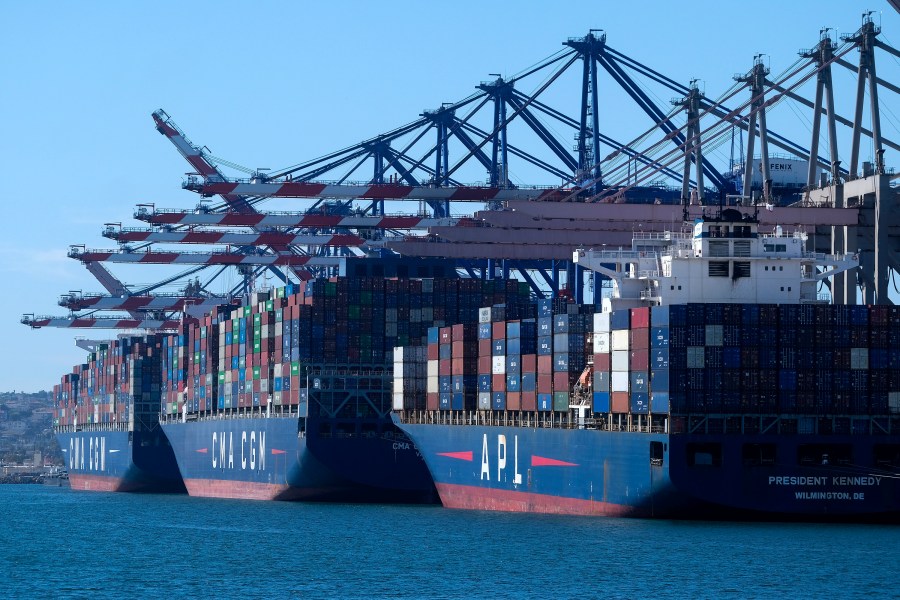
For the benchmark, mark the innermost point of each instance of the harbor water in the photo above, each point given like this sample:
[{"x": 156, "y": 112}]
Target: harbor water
[{"x": 55, "y": 542}]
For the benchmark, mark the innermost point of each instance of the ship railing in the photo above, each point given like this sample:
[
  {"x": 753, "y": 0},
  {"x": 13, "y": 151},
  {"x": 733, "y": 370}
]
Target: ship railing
[
  {"x": 664, "y": 235},
  {"x": 821, "y": 256},
  {"x": 618, "y": 254},
  {"x": 800, "y": 235},
  {"x": 649, "y": 274}
]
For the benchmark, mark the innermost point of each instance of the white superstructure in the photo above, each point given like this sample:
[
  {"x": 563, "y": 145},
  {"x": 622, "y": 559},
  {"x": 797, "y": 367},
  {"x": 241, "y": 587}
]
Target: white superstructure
[{"x": 723, "y": 258}]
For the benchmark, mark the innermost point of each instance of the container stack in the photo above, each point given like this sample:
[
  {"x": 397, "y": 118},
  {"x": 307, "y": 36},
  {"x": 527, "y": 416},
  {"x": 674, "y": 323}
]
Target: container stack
[
  {"x": 410, "y": 378},
  {"x": 463, "y": 366},
  {"x": 620, "y": 361},
  {"x": 814, "y": 360},
  {"x": 545, "y": 356},
  {"x": 602, "y": 363},
  {"x": 174, "y": 366},
  {"x": 485, "y": 369},
  {"x": 570, "y": 331},
  {"x": 639, "y": 361},
  {"x": 521, "y": 344},
  {"x": 144, "y": 367},
  {"x": 659, "y": 360}
]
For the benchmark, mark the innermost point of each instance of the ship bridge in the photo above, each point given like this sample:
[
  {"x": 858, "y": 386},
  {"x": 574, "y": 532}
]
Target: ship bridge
[{"x": 723, "y": 259}]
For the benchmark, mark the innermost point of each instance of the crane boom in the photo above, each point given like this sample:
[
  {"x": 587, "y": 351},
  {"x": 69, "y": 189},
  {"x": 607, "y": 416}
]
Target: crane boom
[
  {"x": 263, "y": 220},
  {"x": 268, "y": 238},
  {"x": 387, "y": 191},
  {"x": 202, "y": 258}
]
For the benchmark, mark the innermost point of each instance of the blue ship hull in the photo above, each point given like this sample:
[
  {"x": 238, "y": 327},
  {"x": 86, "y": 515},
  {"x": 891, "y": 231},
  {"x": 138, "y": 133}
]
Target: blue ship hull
[
  {"x": 120, "y": 461},
  {"x": 262, "y": 458},
  {"x": 613, "y": 473}
]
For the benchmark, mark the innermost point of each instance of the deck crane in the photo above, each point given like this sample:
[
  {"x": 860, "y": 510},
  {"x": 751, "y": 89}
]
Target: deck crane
[{"x": 198, "y": 159}]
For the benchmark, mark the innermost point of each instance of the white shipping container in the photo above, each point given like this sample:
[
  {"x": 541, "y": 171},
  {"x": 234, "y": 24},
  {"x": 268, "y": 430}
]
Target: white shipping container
[
  {"x": 619, "y": 381},
  {"x": 620, "y": 361},
  {"x": 484, "y": 400},
  {"x": 398, "y": 354},
  {"x": 714, "y": 335},
  {"x": 601, "y": 322},
  {"x": 433, "y": 386},
  {"x": 894, "y": 402},
  {"x": 696, "y": 357},
  {"x": 484, "y": 315},
  {"x": 498, "y": 365},
  {"x": 433, "y": 368},
  {"x": 619, "y": 339},
  {"x": 601, "y": 343},
  {"x": 398, "y": 401},
  {"x": 859, "y": 358}
]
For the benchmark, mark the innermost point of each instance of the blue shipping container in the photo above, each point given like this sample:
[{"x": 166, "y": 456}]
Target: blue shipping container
[{"x": 601, "y": 402}]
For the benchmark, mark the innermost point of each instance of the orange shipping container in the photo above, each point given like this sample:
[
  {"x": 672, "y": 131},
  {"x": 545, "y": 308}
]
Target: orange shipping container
[{"x": 620, "y": 402}]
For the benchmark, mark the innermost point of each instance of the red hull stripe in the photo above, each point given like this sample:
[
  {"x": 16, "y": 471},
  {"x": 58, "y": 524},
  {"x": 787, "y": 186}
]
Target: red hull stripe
[
  {"x": 478, "y": 498},
  {"x": 460, "y": 455},
  {"x": 99, "y": 483},
  {"x": 203, "y": 450},
  {"x": 243, "y": 490},
  {"x": 541, "y": 461},
  {"x": 274, "y": 451}
]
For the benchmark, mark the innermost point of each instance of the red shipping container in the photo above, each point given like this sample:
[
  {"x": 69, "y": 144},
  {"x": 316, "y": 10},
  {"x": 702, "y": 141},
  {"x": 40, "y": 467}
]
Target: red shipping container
[
  {"x": 529, "y": 401},
  {"x": 432, "y": 401},
  {"x": 457, "y": 366},
  {"x": 485, "y": 365},
  {"x": 640, "y": 339},
  {"x": 639, "y": 360},
  {"x": 561, "y": 382},
  {"x": 620, "y": 402},
  {"x": 529, "y": 363},
  {"x": 458, "y": 332},
  {"x": 445, "y": 334},
  {"x": 432, "y": 352},
  {"x": 498, "y": 383},
  {"x": 458, "y": 349},
  {"x": 444, "y": 367},
  {"x": 514, "y": 401},
  {"x": 640, "y": 317},
  {"x": 602, "y": 362},
  {"x": 545, "y": 366},
  {"x": 498, "y": 330},
  {"x": 484, "y": 347},
  {"x": 544, "y": 383}
]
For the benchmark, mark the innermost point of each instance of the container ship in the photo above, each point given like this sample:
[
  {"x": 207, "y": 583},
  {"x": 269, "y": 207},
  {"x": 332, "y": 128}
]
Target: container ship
[
  {"x": 106, "y": 418},
  {"x": 713, "y": 383},
  {"x": 287, "y": 397}
]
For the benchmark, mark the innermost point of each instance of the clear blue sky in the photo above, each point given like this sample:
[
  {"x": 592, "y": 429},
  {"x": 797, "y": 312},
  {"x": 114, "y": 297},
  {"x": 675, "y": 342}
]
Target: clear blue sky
[{"x": 273, "y": 83}]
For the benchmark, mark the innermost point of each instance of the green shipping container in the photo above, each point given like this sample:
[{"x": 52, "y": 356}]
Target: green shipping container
[{"x": 561, "y": 401}]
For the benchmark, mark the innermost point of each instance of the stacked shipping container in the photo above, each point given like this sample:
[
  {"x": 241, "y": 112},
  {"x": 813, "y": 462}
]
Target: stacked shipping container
[{"x": 120, "y": 384}]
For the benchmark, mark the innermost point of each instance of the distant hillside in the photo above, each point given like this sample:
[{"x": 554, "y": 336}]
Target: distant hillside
[{"x": 26, "y": 429}]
